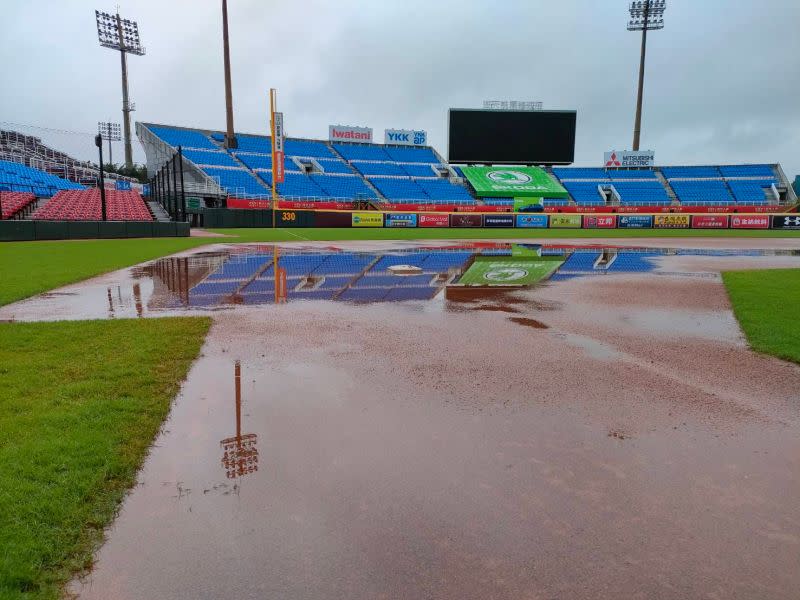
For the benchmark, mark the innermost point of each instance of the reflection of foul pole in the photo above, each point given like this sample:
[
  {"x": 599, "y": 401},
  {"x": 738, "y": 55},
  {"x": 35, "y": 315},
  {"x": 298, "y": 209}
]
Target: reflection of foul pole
[
  {"x": 279, "y": 276},
  {"x": 239, "y": 453}
]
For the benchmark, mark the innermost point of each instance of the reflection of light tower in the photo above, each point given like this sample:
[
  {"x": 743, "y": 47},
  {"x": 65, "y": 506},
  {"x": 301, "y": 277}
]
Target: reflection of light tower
[
  {"x": 239, "y": 453},
  {"x": 646, "y": 15},
  {"x": 121, "y": 35}
]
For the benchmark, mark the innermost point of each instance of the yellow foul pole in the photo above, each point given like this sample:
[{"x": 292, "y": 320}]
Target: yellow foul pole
[{"x": 272, "y": 103}]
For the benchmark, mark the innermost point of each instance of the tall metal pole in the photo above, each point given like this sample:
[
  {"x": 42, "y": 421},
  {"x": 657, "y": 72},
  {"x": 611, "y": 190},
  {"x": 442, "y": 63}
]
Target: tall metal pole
[
  {"x": 126, "y": 106},
  {"x": 98, "y": 141},
  {"x": 230, "y": 138},
  {"x": 183, "y": 193},
  {"x": 108, "y": 135},
  {"x": 637, "y": 127}
]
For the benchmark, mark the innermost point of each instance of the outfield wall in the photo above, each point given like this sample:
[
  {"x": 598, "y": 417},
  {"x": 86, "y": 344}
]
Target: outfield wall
[
  {"x": 227, "y": 218},
  {"x": 22, "y": 230}
]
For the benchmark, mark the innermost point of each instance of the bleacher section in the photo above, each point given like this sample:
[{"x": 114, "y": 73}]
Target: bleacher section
[
  {"x": 85, "y": 205},
  {"x": 15, "y": 203},
  {"x": 15, "y": 177},
  {"x": 320, "y": 170},
  {"x": 704, "y": 185}
]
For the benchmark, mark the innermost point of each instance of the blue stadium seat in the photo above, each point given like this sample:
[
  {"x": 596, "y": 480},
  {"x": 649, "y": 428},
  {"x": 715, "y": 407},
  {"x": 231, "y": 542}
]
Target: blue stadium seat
[
  {"x": 702, "y": 172},
  {"x": 616, "y": 175},
  {"x": 237, "y": 181},
  {"x": 379, "y": 168},
  {"x": 753, "y": 171},
  {"x": 187, "y": 138},
  {"x": 642, "y": 193},
  {"x": 15, "y": 177},
  {"x": 411, "y": 154},
  {"x": 215, "y": 158},
  {"x": 701, "y": 191},
  {"x": 362, "y": 152},
  {"x": 591, "y": 174},
  {"x": 343, "y": 186},
  {"x": 415, "y": 170}
]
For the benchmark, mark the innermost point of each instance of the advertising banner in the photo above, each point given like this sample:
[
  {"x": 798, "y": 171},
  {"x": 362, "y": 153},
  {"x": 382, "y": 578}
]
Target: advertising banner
[
  {"x": 345, "y": 133},
  {"x": 786, "y": 221},
  {"x": 247, "y": 203},
  {"x": 434, "y": 220},
  {"x": 749, "y": 221},
  {"x": 498, "y": 220},
  {"x": 123, "y": 186},
  {"x": 709, "y": 221},
  {"x": 565, "y": 221},
  {"x": 277, "y": 146},
  {"x": 599, "y": 221},
  {"x": 466, "y": 220},
  {"x": 516, "y": 182},
  {"x": 401, "y": 220},
  {"x": 625, "y": 158},
  {"x": 635, "y": 221},
  {"x": 333, "y": 219},
  {"x": 532, "y": 221},
  {"x": 671, "y": 221},
  {"x": 367, "y": 219},
  {"x": 405, "y": 137}
]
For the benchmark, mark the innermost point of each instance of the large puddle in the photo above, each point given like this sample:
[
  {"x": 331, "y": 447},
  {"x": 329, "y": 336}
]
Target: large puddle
[
  {"x": 369, "y": 431},
  {"x": 243, "y": 276}
]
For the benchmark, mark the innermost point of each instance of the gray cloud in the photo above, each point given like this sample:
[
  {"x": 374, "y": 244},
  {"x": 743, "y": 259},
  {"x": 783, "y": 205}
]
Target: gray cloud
[{"x": 723, "y": 78}]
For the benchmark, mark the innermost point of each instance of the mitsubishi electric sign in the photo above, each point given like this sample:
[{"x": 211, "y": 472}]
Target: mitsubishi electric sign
[
  {"x": 626, "y": 158},
  {"x": 405, "y": 137},
  {"x": 345, "y": 133}
]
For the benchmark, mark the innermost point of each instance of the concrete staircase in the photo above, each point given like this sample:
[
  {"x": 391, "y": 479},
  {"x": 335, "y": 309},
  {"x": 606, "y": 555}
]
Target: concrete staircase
[{"x": 158, "y": 212}]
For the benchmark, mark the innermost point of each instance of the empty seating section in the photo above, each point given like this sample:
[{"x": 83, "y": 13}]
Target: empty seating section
[
  {"x": 396, "y": 189},
  {"x": 749, "y": 171},
  {"x": 307, "y": 148},
  {"x": 260, "y": 161},
  {"x": 85, "y": 205},
  {"x": 691, "y": 172},
  {"x": 335, "y": 165},
  {"x": 238, "y": 267},
  {"x": 362, "y": 152},
  {"x": 214, "y": 158},
  {"x": 186, "y": 138},
  {"x": 237, "y": 181},
  {"x": 253, "y": 143},
  {"x": 15, "y": 177},
  {"x": 441, "y": 190},
  {"x": 586, "y": 193},
  {"x": 701, "y": 192},
  {"x": 416, "y": 170},
  {"x": 343, "y": 186},
  {"x": 380, "y": 168},
  {"x": 297, "y": 185},
  {"x": 411, "y": 155},
  {"x": 14, "y": 202},
  {"x": 642, "y": 193},
  {"x": 752, "y": 191}
]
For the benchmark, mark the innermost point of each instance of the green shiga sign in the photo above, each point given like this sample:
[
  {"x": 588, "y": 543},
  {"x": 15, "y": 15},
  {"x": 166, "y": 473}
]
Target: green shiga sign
[{"x": 513, "y": 182}]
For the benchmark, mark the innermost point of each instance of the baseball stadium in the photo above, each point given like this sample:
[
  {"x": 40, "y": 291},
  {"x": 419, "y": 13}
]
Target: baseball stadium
[{"x": 463, "y": 361}]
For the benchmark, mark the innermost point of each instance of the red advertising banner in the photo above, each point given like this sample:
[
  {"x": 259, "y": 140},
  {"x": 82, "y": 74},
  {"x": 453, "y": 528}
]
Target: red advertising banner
[
  {"x": 749, "y": 222},
  {"x": 600, "y": 222},
  {"x": 465, "y": 220},
  {"x": 709, "y": 221},
  {"x": 252, "y": 204},
  {"x": 279, "y": 167},
  {"x": 440, "y": 220}
]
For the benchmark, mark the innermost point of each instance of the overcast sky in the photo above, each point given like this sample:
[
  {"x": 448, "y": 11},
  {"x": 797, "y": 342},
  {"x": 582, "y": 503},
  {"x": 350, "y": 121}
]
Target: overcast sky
[{"x": 722, "y": 86}]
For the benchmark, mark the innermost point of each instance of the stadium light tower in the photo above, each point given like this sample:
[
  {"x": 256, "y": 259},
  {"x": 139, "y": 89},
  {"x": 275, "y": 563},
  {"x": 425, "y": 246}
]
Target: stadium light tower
[
  {"x": 646, "y": 15},
  {"x": 110, "y": 132},
  {"x": 230, "y": 138},
  {"x": 121, "y": 35}
]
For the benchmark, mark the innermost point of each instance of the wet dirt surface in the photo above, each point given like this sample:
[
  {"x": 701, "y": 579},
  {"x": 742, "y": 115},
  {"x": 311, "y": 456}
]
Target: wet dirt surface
[{"x": 627, "y": 445}]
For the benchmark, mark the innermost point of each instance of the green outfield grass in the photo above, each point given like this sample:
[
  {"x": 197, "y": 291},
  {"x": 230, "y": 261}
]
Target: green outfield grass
[
  {"x": 80, "y": 403},
  {"x": 28, "y": 268},
  {"x": 764, "y": 302}
]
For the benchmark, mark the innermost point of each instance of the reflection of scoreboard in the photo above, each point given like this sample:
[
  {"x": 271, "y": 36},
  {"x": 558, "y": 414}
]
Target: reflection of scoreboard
[{"x": 239, "y": 453}]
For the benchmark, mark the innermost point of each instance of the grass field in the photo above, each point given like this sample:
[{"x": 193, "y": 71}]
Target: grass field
[
  {"x": 80, "y": 403},
  {"x": 764, "y": 302},
  {"x": 29, "y": 268}
]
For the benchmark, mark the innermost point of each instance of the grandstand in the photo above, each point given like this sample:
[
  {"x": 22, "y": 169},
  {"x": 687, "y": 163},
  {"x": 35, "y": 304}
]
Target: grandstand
[
  {"x": 85, "y": 205},
  {"x": 321, "y": 171},
  {"x": 29, "y": 151},
  {"x": 16, "y": 177}
]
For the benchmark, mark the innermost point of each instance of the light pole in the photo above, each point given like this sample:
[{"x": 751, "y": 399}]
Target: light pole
[
  {"x": 230, "y": 137},
  {"x": 110, "y": 132},
  {"x": 121, "y": 35},
  {"x": 646, "y": 15},
  {"x": 98, "y": 141}
]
